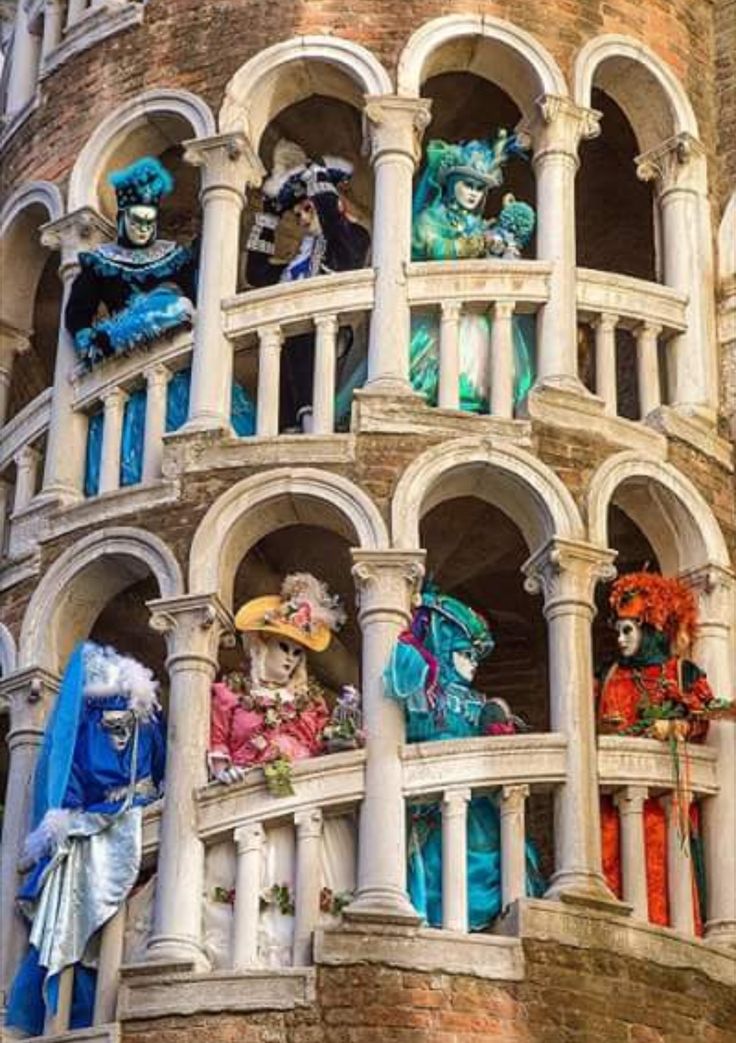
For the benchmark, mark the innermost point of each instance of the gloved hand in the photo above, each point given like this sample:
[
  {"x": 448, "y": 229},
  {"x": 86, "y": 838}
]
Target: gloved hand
[{"x": 227, "y": 776}]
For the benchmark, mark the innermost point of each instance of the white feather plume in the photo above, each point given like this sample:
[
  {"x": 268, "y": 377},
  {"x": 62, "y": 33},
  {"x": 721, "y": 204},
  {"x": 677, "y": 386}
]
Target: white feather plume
[{"x": 325, "y": 609}]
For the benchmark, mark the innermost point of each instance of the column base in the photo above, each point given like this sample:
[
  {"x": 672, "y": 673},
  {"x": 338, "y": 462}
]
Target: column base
[
  {"x": 211, "y": 425},
  {"x": 382, "y": 906},
  {"x": 56, "y": 496},
  {"x": 588, "y": 890},
  {"x": 721, "y": 933},
  {"x": 388, "y": 387},
  {"x": 177, "y": 948}
]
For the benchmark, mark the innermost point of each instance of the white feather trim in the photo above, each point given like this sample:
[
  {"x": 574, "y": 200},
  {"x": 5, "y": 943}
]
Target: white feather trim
[
  {"x": 141, "y": 687},
  {"x": 50, "y": 834}
]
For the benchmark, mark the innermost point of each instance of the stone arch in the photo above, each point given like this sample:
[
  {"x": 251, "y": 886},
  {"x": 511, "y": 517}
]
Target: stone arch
[
  {"x": 487, "y": 46},
  {"x": 645, "y": 88},
  {"x": 161, "y": 116},
  {"x": 32, "y": 193},
  {"x": 664, "y": 504},
  {"x": 285, "y": 73},
  {"x": 8, "y": 652},
  {"x": 85, "y": 578},
  {"x": 510, "y": 478},
  {"x": 261, "y": 503},
  {"x": 29, "y": 207}
]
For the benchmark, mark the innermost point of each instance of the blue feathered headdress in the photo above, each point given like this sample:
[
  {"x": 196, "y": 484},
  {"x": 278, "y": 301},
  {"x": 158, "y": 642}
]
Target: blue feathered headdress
[{"x": 143, "y": 183}]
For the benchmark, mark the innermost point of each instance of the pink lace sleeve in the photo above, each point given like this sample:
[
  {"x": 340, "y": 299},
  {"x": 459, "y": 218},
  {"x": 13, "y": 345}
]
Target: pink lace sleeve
[{"x": 221, "y": 713}]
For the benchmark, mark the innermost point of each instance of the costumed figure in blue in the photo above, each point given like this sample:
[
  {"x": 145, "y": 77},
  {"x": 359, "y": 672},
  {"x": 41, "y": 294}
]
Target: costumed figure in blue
[
  {"x": 331, "y": 242},
  {"x": 101, "y": 762},
  {"x": 448, "y": 224},
  {"x": 146, "y": 285},
  {"x": 431, "y": 673}
]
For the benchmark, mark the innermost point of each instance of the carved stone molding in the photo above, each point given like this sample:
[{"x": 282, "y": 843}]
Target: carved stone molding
[
  {"x": 194, "y": 625},
  {"x": 567, "y": 571},
  {"x": 226, "y": 161},
  {"x": 83, "y": 229},
  {"x": 28, "y": 694},
  {"x": 558, "y": 127},
  {"x": 387, "y": 581},
  {"x": 676, "y": 163},
  {"x": 395, "y": 125}
]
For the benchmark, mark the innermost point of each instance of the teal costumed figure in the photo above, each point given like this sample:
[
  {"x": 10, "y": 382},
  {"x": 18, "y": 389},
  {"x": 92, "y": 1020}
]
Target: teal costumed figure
[
  {"x": 448, "y": 224},
  {"x": 431, "y": 673}
]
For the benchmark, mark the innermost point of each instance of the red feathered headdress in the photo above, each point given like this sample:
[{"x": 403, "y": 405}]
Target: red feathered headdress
[{"x": 663, "y": 603}]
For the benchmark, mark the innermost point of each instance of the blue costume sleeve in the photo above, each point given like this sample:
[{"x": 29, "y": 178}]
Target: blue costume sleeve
[{"x": 405, "y": 678}]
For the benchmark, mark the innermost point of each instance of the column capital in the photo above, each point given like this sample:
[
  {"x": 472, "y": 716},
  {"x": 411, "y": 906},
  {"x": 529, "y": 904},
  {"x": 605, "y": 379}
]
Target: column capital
[
  {"x": 28, "y": 693},
  {"x": 83, "y": 229},
  {"x": 715, "y": 587},
  {"x": 455, "y": 800},
  {"x": 678, "y": 163},
  {"x": 393, "y": 124},
  {"x": 513, "y": 798},
  {"x": 12, "y": 342},
  {"x": 193, "y": 625},
  {"x": 113, "y": 398},
  {"x": 566, "y": 572},
  {"x": 156, "y": 375},
  {"x": 630, "y": 800},
  {"x": 308, "y": 823},
  {"x": 249, "y": 838},
  {"x": 503, "y": 309},
  {"x": 607, "y": 320},
  {"x": 387, "y": 580},
  {"x": 226, "y": 161},
  {"x": 558, "y": 127},
  {"x": 26, "y": 458}
]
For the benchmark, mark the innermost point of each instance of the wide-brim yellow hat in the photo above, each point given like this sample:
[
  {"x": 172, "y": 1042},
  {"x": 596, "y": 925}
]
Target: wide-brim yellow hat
[{"x": 263, "y": 615}]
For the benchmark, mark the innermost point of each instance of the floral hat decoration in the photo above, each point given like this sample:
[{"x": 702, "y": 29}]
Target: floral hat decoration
[
  {"x": 304, "y": 612},
  {"x": 663, "y": 603}
]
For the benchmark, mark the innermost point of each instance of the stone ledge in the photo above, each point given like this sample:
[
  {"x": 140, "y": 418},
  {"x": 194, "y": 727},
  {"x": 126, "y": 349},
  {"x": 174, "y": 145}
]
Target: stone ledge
[
  {"x": 410, "y": 414},
  {"x": 98, "y": 1034},
  {"x": 191, "y": 452},
  {"x": 151, "y": 991},
  {"x": 111, "y": 507},
  {"x": 421, "y": 949},
  {"x": 585, "y": 928},
  {"x": 696, "y": 432},
  {"x": 13, "y": 571}
]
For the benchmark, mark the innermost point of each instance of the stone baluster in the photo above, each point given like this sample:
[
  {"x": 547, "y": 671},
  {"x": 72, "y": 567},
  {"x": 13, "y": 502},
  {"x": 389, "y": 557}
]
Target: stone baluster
[
  {"x": 53, "y": 25},
  {"x": 112, "y": 439},
  {"x": 6, "y": 490},
  {"x": 385, "y": 581},
  {"x": 449, "y": 376},
  {"x": 74, "y": 11},
  {"x": 502, "y": 359},
  {"x": 65, "y": 447},
  {"x": 566, "y": 572},
  {"x": 715, "y": 589},
  {"x": 193, "y": 625},
  {"x": 228, "y": 166},
  {"x": 513, "y": 843},
  {"x": 270, "y": 343},
  {"x": 454, "y": 858},
  {"x": 26, "y": 473},
  {"x": 678, "y": 169},
  {"x": 395, "y": 127},
  {"x": 112, "y": 944},
  {"x": 249, "y": 841},
  {"x": 157, "y": 380},
  {"x": 323, "y": 418},
  {"x": 630, "y": 804},
  {"x": 605, "y": 361},
  {"x": 647, "y": 367},
  {"x": 29, "y": 693},
  {"x": 308, "y": 844},
  {"x": 13, "y": 342},
  {"x": 24, "y": 62},
  {"x": 679, "y": 863},
  {"x": 556, "y": 132}
]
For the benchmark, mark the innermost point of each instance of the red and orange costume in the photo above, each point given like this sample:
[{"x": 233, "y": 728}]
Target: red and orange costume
[{"x": 654, "y": 693}]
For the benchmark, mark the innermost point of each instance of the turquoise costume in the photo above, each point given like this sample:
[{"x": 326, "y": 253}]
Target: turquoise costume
[
  {"x": 445, "y": 229},
  {"x": 423, "y": 674}
]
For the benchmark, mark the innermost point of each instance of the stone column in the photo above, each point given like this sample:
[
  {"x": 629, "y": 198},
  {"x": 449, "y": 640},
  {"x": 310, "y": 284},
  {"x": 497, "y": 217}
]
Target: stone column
[
  {"x": 395, "y": 128},
  {"x": 65, "y": 448},
  {"x": 193, "y": 625},
  {"x": 228, "y": 165},
  {"x": 26, "y": 472},
  {"x": 24, "y": 63},
  {"x": 324, "y": 375},
  {"x": 449, "y": 376},
  {"x": 30, "y": 693},
  {"x": 306, "y": 913},
  {"x": 74, "y": 11},
  {"x": 455, "y": 858},
  {"x": 605, "y": 361},
  {"x": 112, "y": 437},
  {"x": 270, "y": 343},
  {"x": 566, "y": 572},
  {"x": 385, "y": 582},
  {"x": 249, "y": 841},
  {"x": 6, "y": 490},
  {"x": 630, "y": 804},
  {"x": 647, "y": 368},
  {"x": 715, "y": 588},
  {"x": 12, "y": 342},
  {"x": 678, "y": 168},
  {"x": 513, "y": 843},
  {"x": 679, "y": 864},
  {"x": 53, "y": 19},
  {"x": 502, "y": 360},
  {"x": 157, "y": 381},
  {"x": 556, "y": 133}
]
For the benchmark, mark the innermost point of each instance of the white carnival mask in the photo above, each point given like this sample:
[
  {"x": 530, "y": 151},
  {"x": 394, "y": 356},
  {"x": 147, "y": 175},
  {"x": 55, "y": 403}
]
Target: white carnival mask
[{"x": 629, "y": 636}]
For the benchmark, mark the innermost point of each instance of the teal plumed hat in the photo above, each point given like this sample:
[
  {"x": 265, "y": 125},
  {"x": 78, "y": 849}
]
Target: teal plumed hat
[
  {"x": 143, "y": 183},
  {"x": 480, "y": 161},
  {"x": 458, "y": 616}
]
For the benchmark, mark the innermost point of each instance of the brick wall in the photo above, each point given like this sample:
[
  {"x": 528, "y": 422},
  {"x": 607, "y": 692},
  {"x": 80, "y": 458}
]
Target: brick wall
[
  {"x": 198, "y": 46},
  {"x": 568, "y": 996}
]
